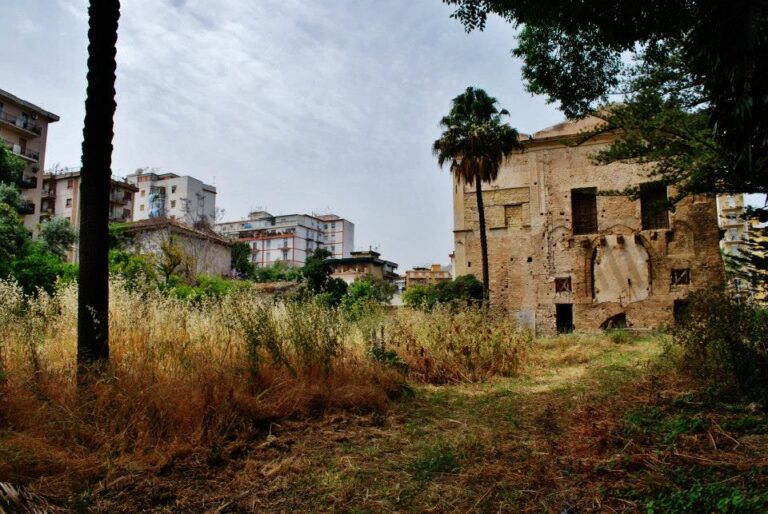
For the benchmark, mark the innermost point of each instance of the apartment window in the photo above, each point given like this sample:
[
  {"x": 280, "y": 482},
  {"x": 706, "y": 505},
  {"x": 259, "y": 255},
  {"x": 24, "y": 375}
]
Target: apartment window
[
  {"x": 653, "y": 206},
  {"x": 143, "y": 192},
  {"x": 563, "y": 285},
  {"x": 70, "y": 183},
  {"x": 681, "y": 277},
  {"x": 68, "y": 203},
  {"x": 173, "y": 189},
  {"x": 173, "y": 204},
  {"x": 584, "y": 210},
  {"x": 141, "y": 207}
]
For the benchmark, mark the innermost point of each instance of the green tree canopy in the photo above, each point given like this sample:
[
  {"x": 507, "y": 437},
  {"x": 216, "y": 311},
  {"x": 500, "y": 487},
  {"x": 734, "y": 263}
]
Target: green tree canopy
[
  {"x": 692, "y": 75},
  {"x": 11, "y": 167},
  {"x": 57, "y": 236},
  {"x": 13, "y": 237},
  {"x": 241, "y": 259}
]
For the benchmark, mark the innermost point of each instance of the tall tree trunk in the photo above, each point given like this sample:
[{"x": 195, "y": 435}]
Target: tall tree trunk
[
  {"x": 483, "y": 242},
  {"x": 95, "y": 180}
]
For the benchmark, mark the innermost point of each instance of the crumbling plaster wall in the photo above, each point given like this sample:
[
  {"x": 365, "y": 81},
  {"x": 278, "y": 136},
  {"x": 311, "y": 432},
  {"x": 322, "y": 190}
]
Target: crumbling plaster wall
[{"x": 531, "y": 241}]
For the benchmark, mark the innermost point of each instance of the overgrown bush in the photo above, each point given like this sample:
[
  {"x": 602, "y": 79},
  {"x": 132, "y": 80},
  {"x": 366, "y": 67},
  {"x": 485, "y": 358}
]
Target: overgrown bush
[
  {"x": 462, "y": 291},
  {"x": 724, "y": 342}
]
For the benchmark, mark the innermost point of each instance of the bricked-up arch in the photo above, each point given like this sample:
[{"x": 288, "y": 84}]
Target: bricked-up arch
[{"x": 620, "y": 270}]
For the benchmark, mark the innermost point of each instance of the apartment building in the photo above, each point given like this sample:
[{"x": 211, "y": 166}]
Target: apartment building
[
  {"x": 24, "y": 130},
  {"x": 364, "y": 263},
  {"x": 421, "y": 276},
  {"x": 564, "y": 255},
  {"x": 290, "y": 238},
  {"x": 731, "y": 211},
  {"x": 168, "y": 195},
  {"x": 60, "y": 198}
]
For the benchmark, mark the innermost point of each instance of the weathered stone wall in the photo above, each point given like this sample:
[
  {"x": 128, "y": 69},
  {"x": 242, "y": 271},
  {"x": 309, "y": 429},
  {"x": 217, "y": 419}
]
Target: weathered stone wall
[
  {"x": 206, "y": 256},
  {"x": 620, "y": 269}
]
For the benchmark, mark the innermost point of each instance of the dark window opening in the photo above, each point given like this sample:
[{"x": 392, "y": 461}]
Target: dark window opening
[
  {"x": 617, "y": 321},
  {"x": 681, "y": 277},
  {"x": 653, "y": 206},
  {"x": 584, "y": 210},
  {"x": 563, "y": 285},
  {"x": 680, "y": 310},
  {"x": 564, "y": 315}
]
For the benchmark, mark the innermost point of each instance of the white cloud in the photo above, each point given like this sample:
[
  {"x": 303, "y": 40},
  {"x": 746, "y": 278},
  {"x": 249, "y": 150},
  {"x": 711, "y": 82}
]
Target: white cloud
[{"x": 298, "y": 105}]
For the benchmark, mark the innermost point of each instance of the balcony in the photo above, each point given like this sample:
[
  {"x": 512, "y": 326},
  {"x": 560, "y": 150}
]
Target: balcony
[
  {"x": 28, "y": 183},
  {"x": 27, "y": 208},
  {"x": 24, "y": 153},
  {"x": 48, "y": 192},
  {"x": 24, "y": 125}
]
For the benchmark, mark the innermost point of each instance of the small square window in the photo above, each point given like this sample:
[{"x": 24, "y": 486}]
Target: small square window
[
  {"x": 70, "y": 183},
  {"x": 563, "y": 285},
  {"x": 141, "y": 207},
  {"x": 173, "y": 204},
  {"x": 68, "y": 202},
  {"x": 681, "y": 277},
  {"x": 143, "y": 192},
  {"x": 173, "y": 189}
]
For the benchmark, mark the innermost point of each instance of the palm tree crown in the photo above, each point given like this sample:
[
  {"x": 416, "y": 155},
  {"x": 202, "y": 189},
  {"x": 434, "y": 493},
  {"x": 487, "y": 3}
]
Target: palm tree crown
[{"x": 475, "y": 139}]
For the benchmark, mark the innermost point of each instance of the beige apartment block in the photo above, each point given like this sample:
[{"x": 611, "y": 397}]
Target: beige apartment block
[
  {"x": 363, "y": 264},
  {"x": 427, "y": 276},
  {"x": 168, "y": 195},
  {"x": 566, "y": 254},
  {"x": 60, "y": 197},
  {"x": 24, "y": 129}
]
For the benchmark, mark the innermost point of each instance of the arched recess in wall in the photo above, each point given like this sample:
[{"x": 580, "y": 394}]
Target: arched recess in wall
[{"x": 620, "y": 269}]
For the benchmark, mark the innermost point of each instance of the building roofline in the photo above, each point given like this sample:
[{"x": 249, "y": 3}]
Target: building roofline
[
  {"x": 76, "y": 173},
  {"x": 29, "y": 105},
  {"x": 161, "y": 223},
  {"x": 366, "y": 259}
]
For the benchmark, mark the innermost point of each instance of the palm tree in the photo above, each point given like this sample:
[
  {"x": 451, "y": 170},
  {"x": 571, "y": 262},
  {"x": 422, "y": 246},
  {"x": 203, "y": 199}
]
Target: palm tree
[
  {"x": 476, "y": 141},
  {"x": 95, "y": 180}
]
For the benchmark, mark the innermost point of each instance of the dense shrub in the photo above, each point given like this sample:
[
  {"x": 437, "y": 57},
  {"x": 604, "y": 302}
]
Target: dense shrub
[
  {"x": 464, "y": 290},
  {"x": 724, "y": 343},
  {"x": 365, "y": 294}
]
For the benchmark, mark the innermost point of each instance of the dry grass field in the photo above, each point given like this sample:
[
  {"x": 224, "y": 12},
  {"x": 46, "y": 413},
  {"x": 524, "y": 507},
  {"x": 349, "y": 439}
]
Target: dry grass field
[{"x": 246, "y": 405}]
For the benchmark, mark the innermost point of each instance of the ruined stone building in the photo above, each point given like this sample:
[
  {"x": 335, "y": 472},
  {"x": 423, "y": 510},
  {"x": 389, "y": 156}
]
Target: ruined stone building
[{"x": 565, "y": 255}]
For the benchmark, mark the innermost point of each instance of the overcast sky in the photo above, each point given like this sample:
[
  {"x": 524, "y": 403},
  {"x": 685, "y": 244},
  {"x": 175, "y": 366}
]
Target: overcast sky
[{"x": 289, "y": 105}]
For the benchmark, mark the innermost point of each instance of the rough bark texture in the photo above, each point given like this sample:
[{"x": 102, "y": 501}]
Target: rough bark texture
[
  {"x": 93, "y": 299},
  {"x": 483, "y": 241}
]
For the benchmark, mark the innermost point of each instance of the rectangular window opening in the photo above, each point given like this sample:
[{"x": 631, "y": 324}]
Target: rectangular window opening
[
  {"x": 584, "y": 210},
  {"x": 653, "y": 206},
  {"x": 564, "y": 314},
  {"x": 563, "y": 285},
  {"x": 681, "y": 277}
]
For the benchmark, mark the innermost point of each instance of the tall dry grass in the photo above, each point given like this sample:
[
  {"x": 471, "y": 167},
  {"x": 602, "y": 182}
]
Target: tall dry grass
[
  {"x": 197, "y": 380},
  {"x": 183, "y": 378},
  {"x": 448, "y": 345}
]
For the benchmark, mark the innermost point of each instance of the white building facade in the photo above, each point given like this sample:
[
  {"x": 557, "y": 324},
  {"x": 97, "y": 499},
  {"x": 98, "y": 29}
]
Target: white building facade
[
  {"x": 290, "y": 238},
  {"x": 168, "y": 195}
]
